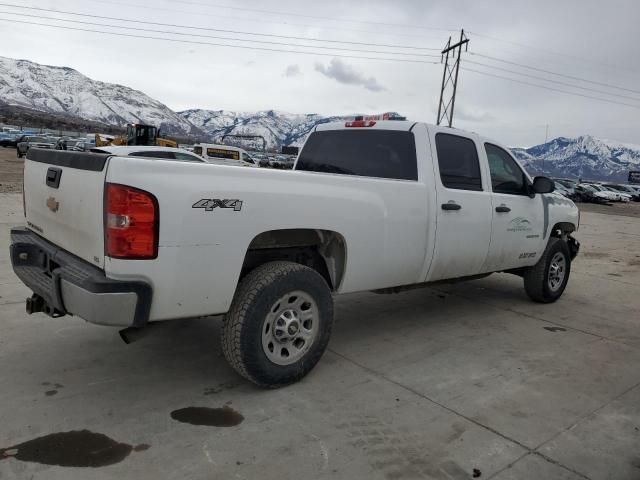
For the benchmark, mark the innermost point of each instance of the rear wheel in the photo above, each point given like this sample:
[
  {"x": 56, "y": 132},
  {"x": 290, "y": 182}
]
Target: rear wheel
[
  {"x": 546, "y": 280},
  {"x": 279, "y": 323}
]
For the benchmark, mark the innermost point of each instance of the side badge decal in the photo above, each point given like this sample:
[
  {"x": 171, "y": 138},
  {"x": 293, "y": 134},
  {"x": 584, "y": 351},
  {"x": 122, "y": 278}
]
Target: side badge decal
[{"x": 210, "y": 203}]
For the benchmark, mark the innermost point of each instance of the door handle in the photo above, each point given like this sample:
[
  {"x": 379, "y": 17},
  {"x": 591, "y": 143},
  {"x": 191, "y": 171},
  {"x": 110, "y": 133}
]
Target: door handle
[
  {"x": 502, "y": 209},
  {"x": 451, "y": 206}
]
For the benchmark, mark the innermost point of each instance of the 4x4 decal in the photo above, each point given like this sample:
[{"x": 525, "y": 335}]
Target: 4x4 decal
[{"x": 210, "y": 203}]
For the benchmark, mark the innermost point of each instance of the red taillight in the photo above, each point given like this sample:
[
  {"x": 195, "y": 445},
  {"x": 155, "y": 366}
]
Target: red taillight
[
  {"x": 360, "y": 123},
  {"x": 131, "y": 220}
]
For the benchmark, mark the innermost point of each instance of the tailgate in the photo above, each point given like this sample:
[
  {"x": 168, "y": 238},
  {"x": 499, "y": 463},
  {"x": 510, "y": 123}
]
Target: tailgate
[{"x": 64, "y": 200}]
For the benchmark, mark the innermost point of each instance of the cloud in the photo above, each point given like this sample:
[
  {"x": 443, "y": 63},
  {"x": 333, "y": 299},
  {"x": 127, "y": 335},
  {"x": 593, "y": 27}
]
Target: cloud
[
  {"x": 344, "y": 73},
  {"x": 292, "y": 71},
  {"x": 472, "y": 114}
]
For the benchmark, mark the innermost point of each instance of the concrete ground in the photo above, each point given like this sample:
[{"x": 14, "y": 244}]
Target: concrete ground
[{"x": 453, "y": 382}]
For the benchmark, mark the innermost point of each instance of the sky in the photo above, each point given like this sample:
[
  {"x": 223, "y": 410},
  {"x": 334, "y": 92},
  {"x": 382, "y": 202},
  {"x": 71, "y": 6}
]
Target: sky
[{"x": 585, "y": 39}]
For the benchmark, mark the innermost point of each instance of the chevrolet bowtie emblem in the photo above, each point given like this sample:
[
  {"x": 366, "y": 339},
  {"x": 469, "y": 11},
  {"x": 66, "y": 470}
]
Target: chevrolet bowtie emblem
[{"x": 53, "y": 204}]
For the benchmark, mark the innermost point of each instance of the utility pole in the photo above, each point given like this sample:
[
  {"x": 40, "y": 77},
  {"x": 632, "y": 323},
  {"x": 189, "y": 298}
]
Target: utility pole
[
  {"x": 451, "y": 57},
  {"x": 546, "y": 134}
]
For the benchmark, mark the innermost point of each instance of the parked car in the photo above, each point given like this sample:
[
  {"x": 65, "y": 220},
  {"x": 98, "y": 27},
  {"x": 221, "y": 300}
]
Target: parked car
[
  {"x": 157, "y": 153},
  {"x": 82, "y": 145},
  {"x": 634, "y": 194},
  {"x": 614, "y": 194},
  {"x": 64, "y": 143},
  {"x": 588, "y": 194},
  {"x": 129, "y": 241},
  {"x": 8, "y": 140},
  {"x": 562, "y": 190},
  {"x": 569, "y": 186},
  {"x": 283, "y": 162},
  {"x": 224, "y": 155},
  {"x": 26, "y": 142}
]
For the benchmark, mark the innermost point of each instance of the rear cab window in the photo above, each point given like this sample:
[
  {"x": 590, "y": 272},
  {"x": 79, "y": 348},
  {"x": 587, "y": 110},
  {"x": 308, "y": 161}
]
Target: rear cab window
[
  {"x": 458, "y": 162},
  {"x": 389, "y": 154}
]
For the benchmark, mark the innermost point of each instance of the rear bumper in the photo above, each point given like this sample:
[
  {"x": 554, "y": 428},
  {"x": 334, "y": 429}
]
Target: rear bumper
[{"x": 69, "y": 285}]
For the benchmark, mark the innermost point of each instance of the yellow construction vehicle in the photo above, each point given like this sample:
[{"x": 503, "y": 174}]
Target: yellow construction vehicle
[{"x": 137, "y": 134}]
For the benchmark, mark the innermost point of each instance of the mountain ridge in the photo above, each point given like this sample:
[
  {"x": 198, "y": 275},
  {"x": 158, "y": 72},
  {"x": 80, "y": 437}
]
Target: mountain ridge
[
  {"x": 584, "y": 157},
  {"x": 67, "y": 95}
]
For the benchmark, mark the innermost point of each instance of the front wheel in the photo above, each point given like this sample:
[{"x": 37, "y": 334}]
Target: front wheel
[
  {"x": 546, "y": 280},
  {"x": 279, "y": 323}
]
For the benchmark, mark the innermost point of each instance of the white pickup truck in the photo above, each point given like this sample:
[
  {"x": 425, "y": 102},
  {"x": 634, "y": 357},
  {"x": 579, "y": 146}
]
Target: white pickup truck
[{"x": 370, "y": 205}]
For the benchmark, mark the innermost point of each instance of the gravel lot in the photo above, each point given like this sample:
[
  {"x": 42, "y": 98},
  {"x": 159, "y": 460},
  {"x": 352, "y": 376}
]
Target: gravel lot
[
  {"x": 10, "y": 171},
  {"x": 464, "y": 381}
]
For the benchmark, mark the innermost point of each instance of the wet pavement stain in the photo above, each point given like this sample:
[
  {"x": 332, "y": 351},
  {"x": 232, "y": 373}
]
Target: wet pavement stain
[
  {"x": 78, "y": 448},
  {"x": 555, "y": 329},
  {"x": 54, "y": 390},
  {"x": 211, "y": 417}
]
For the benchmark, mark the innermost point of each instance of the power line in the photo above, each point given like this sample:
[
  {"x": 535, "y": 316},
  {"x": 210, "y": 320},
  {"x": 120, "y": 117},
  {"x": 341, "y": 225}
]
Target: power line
[
  {"x": 553, "y": 73},
  {"x": 545, "y": 87},
  {"x": 300, "y": 15},
  {"x": 200, "y": 14},
  {"x": 272, "y": 12},
  {"x": 552, "y": 81},
  {"x": 265, "y": 42},
  {"x": 551, "y": 52},
  {"x": 246, "y": 47}
]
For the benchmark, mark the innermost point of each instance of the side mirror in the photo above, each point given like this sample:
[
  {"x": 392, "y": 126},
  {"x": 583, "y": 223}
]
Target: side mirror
[{"x": 543, "y": 185}]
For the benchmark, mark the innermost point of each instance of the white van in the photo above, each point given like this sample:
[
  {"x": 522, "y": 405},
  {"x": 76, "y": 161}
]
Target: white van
[{"x": 224, "y": 154}]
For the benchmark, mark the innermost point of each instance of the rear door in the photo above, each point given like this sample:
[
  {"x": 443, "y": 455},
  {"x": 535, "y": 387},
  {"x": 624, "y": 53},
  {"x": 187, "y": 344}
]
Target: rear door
[
  {"x": 463, "y": 218},
  {"x": 64, "y": 200},
  {"x": 518, "y": 233}
]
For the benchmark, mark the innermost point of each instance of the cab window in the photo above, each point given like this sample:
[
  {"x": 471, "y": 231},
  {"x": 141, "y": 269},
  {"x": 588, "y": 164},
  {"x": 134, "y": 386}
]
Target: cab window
[
  {"x": 458, "y": 162},
  {"x": 197, "y": 150},
  {"x": 506, "y": 175}
]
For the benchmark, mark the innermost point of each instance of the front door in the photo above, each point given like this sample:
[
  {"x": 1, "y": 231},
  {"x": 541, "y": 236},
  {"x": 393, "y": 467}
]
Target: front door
[
  {"x": 517, "y": 237},
  {"x": 463, "y": 219}
]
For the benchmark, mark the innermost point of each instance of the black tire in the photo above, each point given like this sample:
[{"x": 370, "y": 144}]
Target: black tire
[
  {"x": 536, "y": 278},
  {"x": 18, "y": 152},
  {"x": 253, "y": 302}
]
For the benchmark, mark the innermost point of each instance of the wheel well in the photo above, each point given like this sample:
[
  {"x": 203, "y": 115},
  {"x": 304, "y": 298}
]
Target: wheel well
[
  {"x": 562, "y": 229},
  {"x": 322, "y": 250}
]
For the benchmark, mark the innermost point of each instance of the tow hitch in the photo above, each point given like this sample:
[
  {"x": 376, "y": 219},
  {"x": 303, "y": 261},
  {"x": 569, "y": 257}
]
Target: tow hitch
[{"x": 35, "y": 303}]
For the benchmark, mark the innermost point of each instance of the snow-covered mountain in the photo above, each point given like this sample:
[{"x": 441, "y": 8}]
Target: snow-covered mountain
[
  {"x": 64, "y": 90},
  {"x": 278, "y": 128},
  {"x": 584, "y": 157}
]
